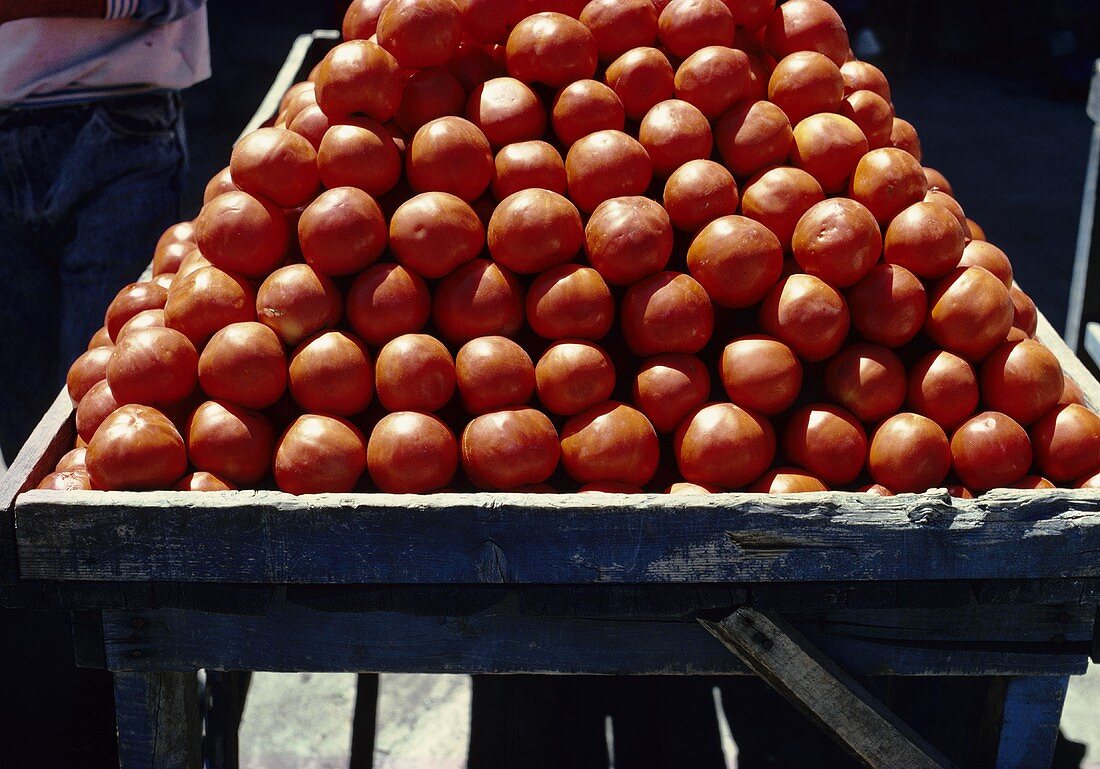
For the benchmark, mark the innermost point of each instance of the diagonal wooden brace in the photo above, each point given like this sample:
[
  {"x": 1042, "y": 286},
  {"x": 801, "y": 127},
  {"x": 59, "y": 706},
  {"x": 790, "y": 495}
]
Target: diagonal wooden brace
[{"x": 818, "y": 688}]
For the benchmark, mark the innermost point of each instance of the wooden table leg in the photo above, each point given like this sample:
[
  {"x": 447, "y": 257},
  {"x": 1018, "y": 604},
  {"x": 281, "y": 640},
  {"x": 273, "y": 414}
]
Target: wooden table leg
[
  {"x": 158, "y": 720},
  {"x": 1029, "y": 726},
  {"x": 362, "y": 726},
  {"x": 223, "y": 700}
]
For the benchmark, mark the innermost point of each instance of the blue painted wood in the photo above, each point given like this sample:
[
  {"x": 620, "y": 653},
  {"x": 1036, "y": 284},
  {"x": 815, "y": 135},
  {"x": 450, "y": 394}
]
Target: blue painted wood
[
  {"x": 1032, "y": 710},
  {"x": 158, "y": 720}
]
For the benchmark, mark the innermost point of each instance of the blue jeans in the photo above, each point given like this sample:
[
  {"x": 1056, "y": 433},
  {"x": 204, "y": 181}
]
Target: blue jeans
[{"x": 85, "y": 192}]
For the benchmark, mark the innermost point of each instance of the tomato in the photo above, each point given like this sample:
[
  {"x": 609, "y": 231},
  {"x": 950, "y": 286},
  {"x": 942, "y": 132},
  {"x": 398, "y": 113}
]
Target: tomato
[
  {"x": 361, "y": 19},
  {"x": 100, "y": 339},
  {"x": 778, "y": 197},
  {"x": 70, "y": 480},
  {"x": 297, "y": 301},
  {"x": 787, "y": 480},
  {"x": 311, "y": 124},
  {"x": 193, "y": 261},
  {"x": 1071, "y": 392},
  {"x": 153, "y": 366},
  {"x": 507, "y": 111},
  {"x": 136, "y": 447},
  {"x": 1088, "y": 482},
  {"x": 937, "y": 181},
  {"x": 686, "y": 26},
  {"x": 359, "y": 76},
  {"x": 206, "y": 300},
  {"x": 584, "y": 107},
  {"x": 628, "y": 238},
  {"x": 362, "y": 155},
  {"x": 641, "y": 77},
  {"x": 244, "y": 363},
  {"x": 667, "y": 312},
  {"x": 761, "y": 373},
  {"x": 492, "y": 373},
  {"x": 828, "y": 441},
  {"x": 1067, "y": 443},
  {"x": 434, "y": 233},
  {"x": 1032, "y": 482},
  {"x": 74, "y": 459},
  {"x": 220, "y": 183},
  {"x": 876, "y": 489},
  {"x": 697, "y": 193},
  {"x": 473, "y": 64},
  {"x": 277, "y": 165},
  {"x": 143, "y": 319},
  {"x": 511, "y": 448},
  {"x": 909, "y": 453},
  {"x": 385, "y": 301},
  {"x": 570, "y": 301},
  {"x": 420, "y": 33},
  {"x": 904, "y": 137},
  {"x": 619, "y": 25},
  {"x": 683, "y": 487},
  {"x": 551, "y": 48},
  {"x": 342, "y": 232},
  {"x": 959, "y": 492},
  {"x": 96, "y": 405},
  {"x": 868, "y": 380},
  {"x": 736, "y": 260},
  {"x": 411, "y": 453},
  {"x": 176, "y": 242},
  {"x": 976, "y": 232},
  {"x": 1021, "y": 379},
  {"x": 478, "y": 299},
  {"x": 605, "y": 165},
  {"x": 1025, "y": 315},
  {"x": 318, "y": 454},
  {"x": 806, "y": 83},
  {"x": 242, "y": 234},
  {"x": 610, "y": 442},
  {"x": 828, "y": 147},
  {"x": 944, "y": 388},
  {"x": 807, "y": 25},
  {"x": 414, "y": 372},
  {"x": 429, "y": 94},
  {"x": 969, "y": 312},
  {"x": 713, "y": 79},
  {"x": 926, "y": 239},
  {"x": 202, "y": 481},
  {"x": 808, "y": 315},
  {"x": 753, "y": 136},
  {"x": 572, "y": 376},
  {"x": 872, "y": 113},
  {"x": 450, "y": 154},
  {"x": 90, "y": 367},
  {"x": 724, "y": 445},
  {"x": 534, "y": 230},
  {"x": 864, "y": 76},
  {"x": 888, "y": 305},
  {"x": 526, "y": 165},
  {"x": 837, "y": 240},
  {"x": 978, "y": 253},
  {"x": 990, "y": 450},
  {"x": 674, "y": 132},
  {"x": 231, "y": 442},
  {"x": 332, "y": 373},
  {"x": 888, "y": 181},
  {"x": 669, "y": 387}
]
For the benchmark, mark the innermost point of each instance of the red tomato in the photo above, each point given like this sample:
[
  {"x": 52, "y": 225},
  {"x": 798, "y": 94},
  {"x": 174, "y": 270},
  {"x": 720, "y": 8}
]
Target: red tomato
[
  {"x": 450, "y": 154},
  {"x": 277, "y": 165},
  {"x": 100, "y": 339},
  {"x": 231, "y": 442},
  {"x": 807, "y": 25},
  {"x": 72, "y": 460},
  {"x": 429, "y": 94},
  {"x": 686, "y": 26},
  {"x": 386, "y": 301},
  {"x": 761, "y": 373},
  {"x": 669, "y": 387},
  {"x": 342, "y": 232},
  {"x": 96, "y": 405},
  {"x": 619, "y": 25},
  {"x": 828, "y": 441},
  {"x": 1021, "y": 379},
  {"x": 136, "y": 447},
  {"x": 511, "y": 448},
  {"x": 641, "y": 77},
  {"x": 605, "y": 165},
  {"x": 1033, "y": 483},
  {"x": 506, "y": 110},
  {"x": 888, "y": 181},
  {"x": 872, "y": 113},
  {"x": 420, "y": 33},
  {"x": 473, "y": 64},
  {"x": 240, "y": 233},
  {"x": 411, "y": 453},
  {"x": 331, "y": 373},
  {"x": 674, "y": 132},
  {"x": 363, "y": 155},
  {"x": 131, "y": 300},
  {"x": 414, "y": 372},
  {"x": 926, "y": 239},
  {"x": 806, "y": 83},
  {"x": 319, "y": 454},
  {"x": 610, "y": 442},
  {"x": 584, "y": 107},
  {"x": 359, "y": 76},
  {"x": 87, "y": 370},
  {"x": 1088, "y": 482},
  {"x": 904, "y": 137},
  {"x": 828, "y": 147},
  {"x": 193, "y": 261},
  {"x": 837, "y": 240},
  {"x": 525, "y": 165},
  {"x": 787, "y": 480},
  {"x": 808, "y": 315},
  {"x": 478, "y": 299},
  {"x": 682, "y": 487},
  {"x": 1067, "y": 443},
  {"x": 153, "y": 366},
  {"x": 877, "y": 489},
  {"x": 202, "y": 481},
  {"x": 71, "y": 480},
  {"x": 551, "y": 48},
  {"x": 888, "y": 306},
  {"x": 572, "y": 376},
  {"x": 144, "y": 319},
  {"x": 166, "y": 259},
  {"x": 753, "y": 136},
  {"x": 778, "y": 197},
  {"x": 969, "y": 313},
  {"x": 207, "y": 300},
  {"x": 724, "y": 445},
  {"x": 990, "y": 450},
  {"x": 944, "y": 200},
  {"x": 937, "y": 181},
  {"x": 311, "y": 124},
  {"x": 736, "y": 260},
  {"x": 182, "y": 235},
  {"x": 713, "y": 79},
  {"x": 244, "y": 363},
  {"x": 863, "y": 76},
  {"x": 868, "y": 380},
  {"x": 628, "y": 238},
  {"x": 534, "y": 230},
  {"x": 1025, "y": 315},
  {"x": 434, "y": 233},
  {"x": 697, "y": 193},
  {"x": 296, "y": 301},
  {"x": 909, "y": 453},
  {"x": 492, "y": 373},
  {"x": 944, "y": 388},
  {"x": 1071, "y": 393},
  {"x": 361, "y": 19},
  {"x": 570, "y": 301},
  {"x": 666, "y": 312},
  {"x": 981, "y": 254},
  {"x": 976, "y": 232}
]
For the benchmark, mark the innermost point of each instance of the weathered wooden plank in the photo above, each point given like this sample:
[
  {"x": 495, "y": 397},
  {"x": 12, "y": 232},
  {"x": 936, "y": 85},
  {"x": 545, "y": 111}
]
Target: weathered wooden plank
[
  {"x": 51, "y": 438},
  {"x": 823, "y": 691},
  {"x": 158, "y": 720},
  {"x": 509, "y": 638},
  {"x": 1029, "y": 727},
  {"x": 265, "y": 536},
  {"x": 1071, "y": 364},
  {"x": 1083, "y": 304}
]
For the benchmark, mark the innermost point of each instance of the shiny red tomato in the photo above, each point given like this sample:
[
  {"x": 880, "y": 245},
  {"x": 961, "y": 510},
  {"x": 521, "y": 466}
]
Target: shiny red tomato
[
  {"x": 385, "y": 301},
  {"x": 207, "y": 300},
  {"x": 507, "y": 111},
  {"x": 297, "y": 301},
  {"x": 837, "y": 240},
  {"x": 619, "y": 25},
  {"x": 242, "y": 234},
  {"x": 534, "y": 230},
  {"x": 888, "y": 306},
  {"x": 753, "y": 136},
  {"x": 480, "y": 298},
  {"x": 808, "y": 315},
  {"x": 667, "y": 312},
  {"x": 714, "y": 78},
  {"x": 244, "y": 363},
  {"x": 697, "y": 193},
  {"x": 628, "y": 238},
  {"x": 434, "y": 233},
  {"x": 778, "y": 197},
  {"x": 332, "y": 373},
  {"x": 277, "y": 165},
  {"x": 761, "y": 373},
  {"x": 136, "y": 447},
  {"x": 493, "y": 373},
  {"x": 686, "y": 26},
  {"x": 86, "y": 371},
  {"x": 510, "y": 449},
  {"x": 552, "y": 49},
  {"x": 153, "y": 366},
  {"x": 342, "y": 231},
  {"x": 1067, "y": 443},
  {"x": 605, "y": 165},
  {"x": 807, "y": 25},
  {"x": 525, "y": 165},
  {"x": 131, "y": 300},
  {"x": 420, "y": 33},
  {"x": 944, "y": 388},
  {"x": 450, "y": 154},
  {"x": 570, "y": 301},
  {"x": 828, "y": 441},
  {"x": 361, "y": 155},
  {"x": 724, "y": 445},
  {"x": 414, "y": 372},
  {"x": 669, "y": 387},
  {"x": 1021, "y": 379},
  {"x": 990, "y": 450},
  {"x": 319, "y": 454},
  {"x": 641, "y": 77},
  {"x": 806, "y": 83},
  {"x": 584, "y": 107},
  {"x": 359, "y": 76},
  {"x": 969, "y": 313},
  {"x": 787, "y": 480},
  {"x": 96, "y": 405},
  {"x": 231, "y": 442},
  {"x": 411, "y": 453},
  {"x": 572, "y": 376},
  {"x": 610, "y": 442},
  {"x": 909, "y": 453},
  {"x": 868, "y": 380}
]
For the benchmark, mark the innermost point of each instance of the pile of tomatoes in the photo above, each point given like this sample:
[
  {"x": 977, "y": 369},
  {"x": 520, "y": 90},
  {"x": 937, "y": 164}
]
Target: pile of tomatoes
[{"x": 550, "y": 245}]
